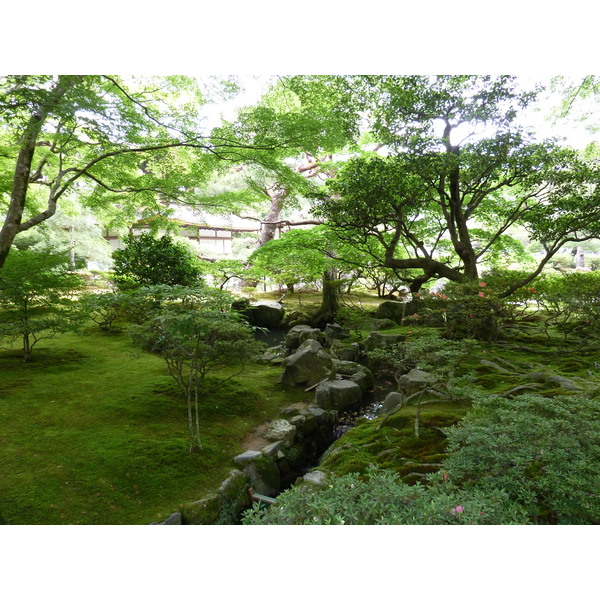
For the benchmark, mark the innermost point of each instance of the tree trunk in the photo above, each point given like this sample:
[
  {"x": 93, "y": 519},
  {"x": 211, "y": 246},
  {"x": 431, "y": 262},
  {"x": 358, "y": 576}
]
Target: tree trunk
[
  {"x": 330, "y": 304},
  {"x": 20, "y": 183},
  {"x": 277, "y": 194}
]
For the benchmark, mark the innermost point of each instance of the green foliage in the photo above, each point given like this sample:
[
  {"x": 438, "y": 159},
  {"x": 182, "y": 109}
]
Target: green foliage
[
  {"x": 104, "y": 309},
  {"x": 37, "y": 297},
  {"x": 467, "y": 310},
  {"x": 195, "y": 338},
  {"x": 423, "y": 197},
  {"x": 148, "y": 260},
  {"x": 380, "y": 498},
  {"x": 543, "y": 452},
  {"x": 571, "y": 302},
  {"x": 296, "y": 257},
  {"x": 427, "y": 351}
]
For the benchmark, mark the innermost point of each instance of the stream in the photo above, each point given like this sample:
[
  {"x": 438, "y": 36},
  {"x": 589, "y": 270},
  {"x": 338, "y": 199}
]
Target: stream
[{"x": 369, "y": 408}]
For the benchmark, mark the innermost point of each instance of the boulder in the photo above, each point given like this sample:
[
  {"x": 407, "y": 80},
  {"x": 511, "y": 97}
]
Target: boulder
[
  {"x": 338, "y": 394},
  {"x": 246, "y": 457},
  {"x": 281, "y": 430},
  {"x": 266, "y": 313},
  {"x": 391, "y": 401},
  {"x": 234, "y": 493},
  {"x": 292, "y": 338},
  {"x": 264, "y": 476},
  {"x": 317, "y": 478},
  {"x": 377, "y": 324},
  {"x": 382, "y": 340},
  {"x": 295, "y": 317},
  {"x": 396, "y": 311},
  {"x": 307, "y": 366},
  {"x": 415, "y": 380},
  {"x": 274, "y": 450},
  {"x": 334, "y": 331},
  {"x": 355, "y": 372},
  {"x": 202, "y": 512},
  {"x": 345, "y": 351}
]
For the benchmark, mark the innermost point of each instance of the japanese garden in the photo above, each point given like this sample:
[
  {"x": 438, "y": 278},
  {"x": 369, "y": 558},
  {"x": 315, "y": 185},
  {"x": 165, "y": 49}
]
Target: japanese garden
[{"x": 350, "y": 299}]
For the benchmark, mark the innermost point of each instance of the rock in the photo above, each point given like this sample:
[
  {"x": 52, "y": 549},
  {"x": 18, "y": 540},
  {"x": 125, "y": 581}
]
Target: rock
[
  {"x": 266, "y": 313},
  {"x": 391, "y": 401},
  {"x": 396, "y": 311},
  {"x": 345, "y": 351},
  {"x": 202, "y": 512},
  {"x": 317, "y": 478},
  {"x": 382, "y": 340},
  {"x": 294, "y": 318},
  {"x": 415, "y": 380},
  {"x": 563, "y": 382},
  {"x": 281, "y": 430},
  {"x": 234, "y": 493},
  {"x": 322, "y": 416},
  {"x": 496, "y": 367},
  {"x": 264, "y": 476},
  {"x": 334, "y": 331},
  {"x": 311, "y": 334},
  {"x": 292, "y": 338},
  {"x": 337, "y": 394},
  {"x": 355, "y": 372},
  {"x": 308, "y": 425},
  {"x": 298, "y": 421},
  {"x": 274, "y": 450},
  {"x": 172, "y": 519},
  {"x": 377, "y": 324},
  {"x": 307, "y": 366},
  {"x": 246, "y": 457}
]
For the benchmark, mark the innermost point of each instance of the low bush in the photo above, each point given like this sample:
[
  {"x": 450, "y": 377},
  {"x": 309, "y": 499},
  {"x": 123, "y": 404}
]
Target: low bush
[
  {"x": 381, "y": 498},
  {"x": 543, "y": 452}
]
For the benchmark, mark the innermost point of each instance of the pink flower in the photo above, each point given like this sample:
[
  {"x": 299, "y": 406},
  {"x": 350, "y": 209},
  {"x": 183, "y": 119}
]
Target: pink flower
[
  {"x": 482, "y": 284},
  {"x": 481, "y": 294},
  {"x": 457, "y": 510},
  {"x": 445, "y": 476}
]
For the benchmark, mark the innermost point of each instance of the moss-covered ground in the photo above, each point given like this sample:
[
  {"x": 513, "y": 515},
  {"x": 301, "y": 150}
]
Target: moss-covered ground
[
  {"x": 92, "y": 432},
  {"x": 521, "y": 350}
]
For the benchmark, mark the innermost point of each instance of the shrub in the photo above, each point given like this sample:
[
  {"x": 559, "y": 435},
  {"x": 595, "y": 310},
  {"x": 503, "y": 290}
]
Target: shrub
[
  {"x": 154, "y": 261},
  {"x": 571, "y": 302},
  {"x": 37, "y": 297},
  {"x": 195, "y": 336},
  {"x": 381, "y": 498},
  {"x": 466, "y": 310},
  {"x": 544, "y": 453}
]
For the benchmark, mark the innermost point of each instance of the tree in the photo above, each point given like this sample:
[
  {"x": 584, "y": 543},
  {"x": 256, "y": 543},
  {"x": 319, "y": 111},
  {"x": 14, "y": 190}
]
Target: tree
[
  {"x": 37, "y": 297},
  {"x": 138, "y": 143},
  {"x": 148, "y": 260},
  {"x": 197, "y": 338},
  {"x": 294, "y": 258},
  {"x": 457, "y": 174}
]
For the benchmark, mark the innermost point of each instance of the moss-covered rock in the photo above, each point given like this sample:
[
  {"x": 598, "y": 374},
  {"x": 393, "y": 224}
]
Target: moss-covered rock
[
  {"x": 202, "y": 512},
  {"x": 264, "y": 476}
]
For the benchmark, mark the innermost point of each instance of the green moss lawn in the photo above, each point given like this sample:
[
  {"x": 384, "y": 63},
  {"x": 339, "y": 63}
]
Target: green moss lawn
[{"x": 92, "y": 432}]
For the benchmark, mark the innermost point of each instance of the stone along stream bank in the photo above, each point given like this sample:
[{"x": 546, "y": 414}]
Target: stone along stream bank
[{"x": 281, "y": 452}]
